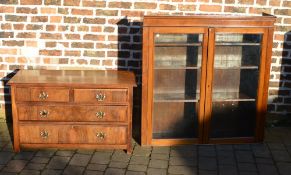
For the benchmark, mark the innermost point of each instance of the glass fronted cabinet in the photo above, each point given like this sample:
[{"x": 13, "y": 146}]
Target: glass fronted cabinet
[{"x": 204, "y": 83}]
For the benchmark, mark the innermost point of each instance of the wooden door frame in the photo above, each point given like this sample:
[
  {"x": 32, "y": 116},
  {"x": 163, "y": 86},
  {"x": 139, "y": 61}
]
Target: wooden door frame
[
  {"x": 147, "y": 83},
  {"x": 261, "y": 90}
]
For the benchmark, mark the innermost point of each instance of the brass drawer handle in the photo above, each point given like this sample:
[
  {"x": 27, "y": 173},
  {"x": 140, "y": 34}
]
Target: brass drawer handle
[
  {"x": 44, "y": 134},
  {"x": 101, "y": 135},
  {"x": 100, "y": 97},
  {"x": 43, "y": 113},
  {"x": 43, "y": 95},
  {"x": 100, "y": 114}
]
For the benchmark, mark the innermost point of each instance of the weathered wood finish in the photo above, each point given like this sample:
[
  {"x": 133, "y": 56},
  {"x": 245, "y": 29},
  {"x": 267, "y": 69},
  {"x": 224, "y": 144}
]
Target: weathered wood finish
[
  {"x": 209, "y": 25},
  {"x": 62, "y": 109}
]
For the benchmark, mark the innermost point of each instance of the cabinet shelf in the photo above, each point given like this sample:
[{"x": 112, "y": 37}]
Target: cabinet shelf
[
  {"x": 236, "y": 44},
  {"x": 230, "y": 96},
  {"x": 176, "y": 67},
  {"x": 173, "y": 44},
  {"x": 176, "y": 97},
  {"x": 241, "y": 67}
]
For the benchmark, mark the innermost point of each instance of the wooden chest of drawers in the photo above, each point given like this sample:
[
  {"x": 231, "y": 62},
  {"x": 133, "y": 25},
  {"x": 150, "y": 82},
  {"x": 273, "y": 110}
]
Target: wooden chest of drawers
[{"x": 72, "y": 109}]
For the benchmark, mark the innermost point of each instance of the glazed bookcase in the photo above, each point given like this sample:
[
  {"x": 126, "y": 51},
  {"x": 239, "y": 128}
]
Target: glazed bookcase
[{"x": 205, "y": 78}]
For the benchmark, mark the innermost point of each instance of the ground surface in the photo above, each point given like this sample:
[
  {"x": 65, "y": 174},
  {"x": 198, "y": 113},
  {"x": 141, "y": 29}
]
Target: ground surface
[{"x": 270, "y": 158}]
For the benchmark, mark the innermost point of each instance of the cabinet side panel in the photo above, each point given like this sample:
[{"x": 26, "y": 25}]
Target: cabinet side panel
[
  {"x": 15, "y": 120},
  {"x": 145, "y": 99}
]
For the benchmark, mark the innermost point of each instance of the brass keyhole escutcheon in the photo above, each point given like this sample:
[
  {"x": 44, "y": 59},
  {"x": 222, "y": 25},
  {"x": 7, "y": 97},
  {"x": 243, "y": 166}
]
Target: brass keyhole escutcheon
[
  {"x": 100, "y": 114},
  {"x": 44, "y": 134},
  {"x": 101, "y": 135},
  {"x": 100, "y": 97},
  {"x": 43, "y": 113},
  {"x": 43, "y": 95}
]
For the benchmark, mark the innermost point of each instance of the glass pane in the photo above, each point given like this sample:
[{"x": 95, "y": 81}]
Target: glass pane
[
  {"x": 178, "y": 38},
  {"x": 233, "y": 119},
  {"x": 177, "y": 84},
  {"x": 175, "y": 120},
  {"x": 185, "y": 56},
  {"x": 235, "y": 83}
]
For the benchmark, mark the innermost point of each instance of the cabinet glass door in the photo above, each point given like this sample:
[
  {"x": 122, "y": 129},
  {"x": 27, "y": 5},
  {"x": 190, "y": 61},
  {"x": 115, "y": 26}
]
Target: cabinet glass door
[
  {"x": 176, "y": 91},
  {"x": 235, "y": 84}
]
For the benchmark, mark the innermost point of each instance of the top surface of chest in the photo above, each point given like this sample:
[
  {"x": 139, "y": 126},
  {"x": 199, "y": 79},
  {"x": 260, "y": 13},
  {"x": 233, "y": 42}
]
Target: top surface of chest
[{"x": 74, "y": 78}]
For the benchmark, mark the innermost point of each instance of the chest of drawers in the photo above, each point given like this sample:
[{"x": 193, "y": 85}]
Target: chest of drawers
[{"x": 72, "y": 109}]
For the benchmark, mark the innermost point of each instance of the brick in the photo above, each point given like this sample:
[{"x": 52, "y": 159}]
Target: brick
[
  {"x": 94, "y": 53},
  {"x": 167, "y": 7},
  {"x": 72, "y": 36},
  {"x": 132, "y": 13},
  {"x": 6, "y": 26},
  {"x": 30, "y": 2},
  {"x": 5, "y": 156},
  {"x": 26, "y": 10},
  {"x": 139, "y": 160},
  {"x": 261, "y": 2},
  {"x": 22, "y": 60},
  {"x": 51, "y": 36},
  {"x": 6, "y": 34},
  {"x": 96, "y": 4},
  {"x": 94, "y": 37},
  {"x": 186, "y": 7},
  {"x": 82, "y": 61},
  {"x": 158, "y": 164},
  {"x": 31, "y": 43},
  {"x": 96, "y": 167},
  {"x": 96, "y": 28},
  {"x": 94, "y": 20},
  {"x": 101, "y": 157},
  {"x": 26, "y": 35},
  {"x": 109, "y": 29},
  {"x": 13, "y": 43},
  {"x": 156, "y": 171},
  {"x": 18, "y": 26},
  {"x": 72, "y": 53},
  {"x": 5, "y": 51},
  {"x": 55, "y": 19},
  {"x": 145, "y": 5},
  {"x": 114, "y": 171},
  {"x": 123, "y": 5},
  {"x": 281, "y": 155},
  {"x": 101, "y": 12},
  {"x": 52, "y": 2},
  {"x": 142, "y": 168},
  {"x": 274, "y": 2},
  {"x": 6, "y": 9},
  {"x": 81, "y": 12},
  {"x": 83, "y": 28},
  {"x": 15, "y": 18},
  {"x": 10, "y": 59},
  {"x": 229, "y": 1},
  {"x": 206, "y": 163},
  {"x": 39, "y": 19},
  {"x": 71, "y": 2},
  {"x": 35, "y": 166},
  {"x": 50, "y": 44},
  {"x": 121, "y": 165},
  {"x": 95, "y": 62},
  {"x": 50, "y": 28},
  {"x": 234, "y": 9},
  {"x": 286, "y": 12},
  {"x": 51, "y": 172},
  {"x": 9, "y": 2},
  {"x": 48, "y": 10},
  {"x": 34, "y": 27},
  {"x": 63, "y": 11},
  {"x": 259, "y": 10},
  {"x": 50, "y": 52},
  {"x": 58, "y": 162},
  {"x": 210, "y": 8},
  {"x": 72, "y": 20},
  {"x": 250, "y": 2},
  {"x": 82, "y": 45}
]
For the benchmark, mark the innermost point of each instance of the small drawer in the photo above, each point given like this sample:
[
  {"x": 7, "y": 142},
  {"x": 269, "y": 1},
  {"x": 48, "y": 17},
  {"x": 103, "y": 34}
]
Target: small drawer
[
  {"x": 79, "y": 134},
  {"x": 43, "y": 94},
  {"x": 73, "y": 113},
  {"x": 100, "y": 95}
]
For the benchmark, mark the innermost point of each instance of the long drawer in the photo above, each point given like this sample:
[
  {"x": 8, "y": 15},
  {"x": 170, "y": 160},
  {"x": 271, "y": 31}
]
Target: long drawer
[
  {"x": 75, "y": 113},
  {"x": 100, "y": 96},
  {"x": 69, "y": 133}
]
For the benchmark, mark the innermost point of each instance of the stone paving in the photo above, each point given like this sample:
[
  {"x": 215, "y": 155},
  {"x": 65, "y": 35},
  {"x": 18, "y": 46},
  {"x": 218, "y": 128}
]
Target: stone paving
[{"x": 270, "y": 158}]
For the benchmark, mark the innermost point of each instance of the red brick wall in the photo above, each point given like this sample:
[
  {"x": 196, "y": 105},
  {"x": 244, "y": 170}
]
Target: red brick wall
[{"x": 96, "y": 34}]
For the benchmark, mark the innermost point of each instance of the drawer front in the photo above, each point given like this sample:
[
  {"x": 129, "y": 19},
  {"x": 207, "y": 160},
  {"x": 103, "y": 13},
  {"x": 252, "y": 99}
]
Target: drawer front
[
  {"x": 73, "y": 113},
  {"x": 44, "y": 94},
  {"x": 100, "y": 95},
  {"x": 81, "y": 134}
]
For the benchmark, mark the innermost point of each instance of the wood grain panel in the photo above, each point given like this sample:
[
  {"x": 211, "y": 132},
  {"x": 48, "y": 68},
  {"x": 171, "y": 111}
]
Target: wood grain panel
[
  {"x": 72, "y": 113},
  {"x": 79, "y": 134},
  {"x": 110, "y": 95}
]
